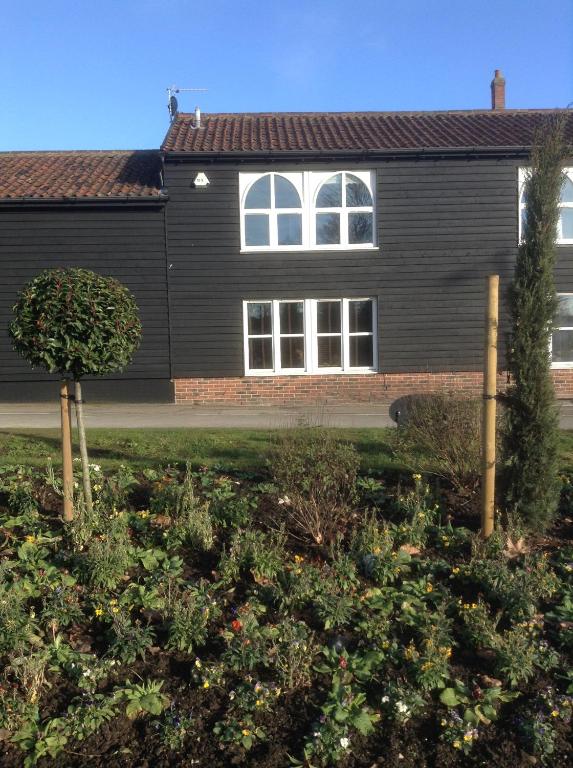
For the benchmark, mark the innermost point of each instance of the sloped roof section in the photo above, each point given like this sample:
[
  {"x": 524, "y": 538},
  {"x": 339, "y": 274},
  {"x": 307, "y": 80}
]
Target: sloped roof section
[
  {"x": 356, "y": 131},
  {"x": 80, "y": 175}
]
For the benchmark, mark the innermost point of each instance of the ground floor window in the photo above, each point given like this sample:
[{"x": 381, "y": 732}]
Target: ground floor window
[
  {"x": 310, "y": 335},
  {"x": 562, "y": 339}
]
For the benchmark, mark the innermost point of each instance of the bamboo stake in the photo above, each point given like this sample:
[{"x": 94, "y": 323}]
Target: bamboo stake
[
  {"x": 489, "y": 407},
  {"x": 67, "y": 465},
  {"x": 87, "y": 486}
]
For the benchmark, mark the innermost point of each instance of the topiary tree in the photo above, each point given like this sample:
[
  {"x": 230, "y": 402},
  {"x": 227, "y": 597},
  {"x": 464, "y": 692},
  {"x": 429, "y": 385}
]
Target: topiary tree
[
  {"x": 531, "y": 441},
  {"x": 76, "y": 323}
]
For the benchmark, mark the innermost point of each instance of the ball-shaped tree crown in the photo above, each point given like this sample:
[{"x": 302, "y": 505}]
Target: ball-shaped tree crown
[{"x": 76, "y": 323}]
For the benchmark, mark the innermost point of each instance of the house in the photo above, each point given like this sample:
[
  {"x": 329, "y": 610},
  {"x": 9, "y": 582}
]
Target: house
[{"x": 292, "y": 257}]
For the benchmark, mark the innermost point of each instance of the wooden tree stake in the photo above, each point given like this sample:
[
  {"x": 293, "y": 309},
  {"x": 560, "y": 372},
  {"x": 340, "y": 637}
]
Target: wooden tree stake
[
  {"x": 67, "y": 465},
  {"x": 489, "y": 407},
  {"x": 87, "y": 486}
]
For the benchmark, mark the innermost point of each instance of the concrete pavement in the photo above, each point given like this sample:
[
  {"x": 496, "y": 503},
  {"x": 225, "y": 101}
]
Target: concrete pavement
[{"x": 169, "y": 416}]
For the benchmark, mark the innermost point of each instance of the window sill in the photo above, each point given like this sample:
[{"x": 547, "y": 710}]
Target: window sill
[
  {"x": 561, "y": 366},
  {"x": 321, "y": 372},
  {"x": 304, "y": 249}
]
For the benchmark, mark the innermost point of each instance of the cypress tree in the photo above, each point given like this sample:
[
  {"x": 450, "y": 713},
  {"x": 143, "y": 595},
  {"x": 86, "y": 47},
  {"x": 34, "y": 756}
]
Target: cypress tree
[{"x": 532, "y": 430}]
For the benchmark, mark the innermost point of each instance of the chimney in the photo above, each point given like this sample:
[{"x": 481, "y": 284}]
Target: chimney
[
  {"x": 498, "y": 91},
  {"x": 197, "y": 118}
]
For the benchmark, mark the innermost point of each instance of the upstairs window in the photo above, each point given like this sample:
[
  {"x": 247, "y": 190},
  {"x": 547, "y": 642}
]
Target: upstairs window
[
  {"x": 564, "y": 235},
  {"x": 273, "y": 212},
  {"x": 307, "y": 210},
  {"x": 343, "y": 211}
]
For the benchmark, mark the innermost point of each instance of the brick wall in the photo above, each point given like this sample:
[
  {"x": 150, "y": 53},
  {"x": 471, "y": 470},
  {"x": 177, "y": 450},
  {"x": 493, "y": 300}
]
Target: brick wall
[{"x": 375, "y": 388}]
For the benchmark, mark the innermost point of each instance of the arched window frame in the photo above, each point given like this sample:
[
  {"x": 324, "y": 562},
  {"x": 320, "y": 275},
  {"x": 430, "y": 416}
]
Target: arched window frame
[
  {"x": 247, "y": 181},
  {"x": 523, "y": 176},
  {"x": 318, "y": 179}
]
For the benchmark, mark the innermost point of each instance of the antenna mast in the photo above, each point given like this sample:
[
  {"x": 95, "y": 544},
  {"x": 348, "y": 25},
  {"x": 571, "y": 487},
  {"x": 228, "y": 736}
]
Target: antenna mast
[{"x": 172, "y": 105}]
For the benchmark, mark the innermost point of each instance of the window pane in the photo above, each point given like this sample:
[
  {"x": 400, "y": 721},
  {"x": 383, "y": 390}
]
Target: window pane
[
  {"x": 292, "y": 352},
  {"x": 567, "y": 191},
  {"x": 286, "y": 195},
  {"x": 360, "y": 316},
  {"x": 327, "y": 228},
  {"x": 361, "y": 351},
  {"x": 567, "y": 223},
  {"x": 257, "y": 229},
  {"x": 259, "y": 195},
  {"x": 357, "y": 193},
  {"x": 562, "y": 347},
  {"x": 260, "y": 319},
  {"x": 289, "y": 228},
  {"x": 261, "y": 354},
  {"x": 328, "y": 317},
  {"x": 330, "y": 193},
  {"x": 329, "y": 352},
  {"x": 564, "y": 311},
  {"x": 359, "y": 227},
  {"x": 291, "y": 316}
]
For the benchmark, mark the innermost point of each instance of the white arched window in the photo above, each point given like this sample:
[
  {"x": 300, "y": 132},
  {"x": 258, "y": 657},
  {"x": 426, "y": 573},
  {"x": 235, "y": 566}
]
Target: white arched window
[
  {"x": 343, "y": 211},
  {"x": 272, "y": 215},
  {"x": 564, "y": 233}
]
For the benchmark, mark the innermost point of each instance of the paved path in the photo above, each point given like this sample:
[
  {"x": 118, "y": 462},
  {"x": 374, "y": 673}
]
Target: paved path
[{"x": 169, "y": 415}]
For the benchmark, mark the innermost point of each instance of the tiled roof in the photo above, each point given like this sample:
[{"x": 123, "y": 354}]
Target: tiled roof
[
  {"x": 79, "y": 175},
  {"x": 356, "y": 131}
]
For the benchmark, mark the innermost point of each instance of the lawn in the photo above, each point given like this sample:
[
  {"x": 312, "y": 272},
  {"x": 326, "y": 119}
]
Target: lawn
[
  {"x": 232, "y": 448},
  {"x": 308, "y": 615}
]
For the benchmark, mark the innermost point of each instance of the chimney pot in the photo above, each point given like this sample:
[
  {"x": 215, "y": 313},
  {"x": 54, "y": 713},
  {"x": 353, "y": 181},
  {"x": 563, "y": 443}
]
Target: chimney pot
[{"x": 498, "y": 91}]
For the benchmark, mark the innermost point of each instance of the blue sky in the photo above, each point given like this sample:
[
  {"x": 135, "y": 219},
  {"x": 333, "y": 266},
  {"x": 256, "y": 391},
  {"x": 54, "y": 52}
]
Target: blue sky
[{"x": 91, "y": 75}]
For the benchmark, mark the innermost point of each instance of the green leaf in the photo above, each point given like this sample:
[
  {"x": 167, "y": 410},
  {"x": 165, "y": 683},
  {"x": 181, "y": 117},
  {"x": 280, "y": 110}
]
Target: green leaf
[
  {"x": 449, "y": 697},
  {"x": 363, "y": 723}
]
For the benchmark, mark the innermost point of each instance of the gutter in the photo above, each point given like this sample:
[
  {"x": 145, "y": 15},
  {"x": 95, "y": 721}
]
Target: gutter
[
  {"x": 383, "y": 154},
  {"x": 146, "y": 200}
]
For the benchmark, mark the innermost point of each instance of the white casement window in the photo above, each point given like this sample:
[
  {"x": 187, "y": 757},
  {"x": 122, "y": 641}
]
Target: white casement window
[
  {"x": 310, "y": 336},
  {"x": 564, "y": 235},
  {"x": 343, "y": 210},
  {"x": 307, "y": 210},
  {"x": 562, "y": 337}
]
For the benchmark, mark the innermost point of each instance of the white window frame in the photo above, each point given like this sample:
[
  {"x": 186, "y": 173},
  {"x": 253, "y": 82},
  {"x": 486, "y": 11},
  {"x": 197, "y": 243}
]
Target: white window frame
[
  {"x": 246, "y": 181},
  {"x": 522, "y": 178},
  {"x": 307, "y": 184},
  {"x": 318, "y": 180},
  {"x": 562, "y": 364},
  {"x": 311, "y": 338}
]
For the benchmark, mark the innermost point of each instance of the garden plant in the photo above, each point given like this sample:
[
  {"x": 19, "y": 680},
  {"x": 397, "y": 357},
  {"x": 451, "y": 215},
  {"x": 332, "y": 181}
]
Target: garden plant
[
  {"x": 193, "y": 618},
  {"x": 76, "y": 323}
]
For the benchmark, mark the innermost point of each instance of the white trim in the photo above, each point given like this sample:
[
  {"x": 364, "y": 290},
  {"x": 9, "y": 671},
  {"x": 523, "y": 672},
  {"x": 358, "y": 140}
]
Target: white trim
[
  {"x": 562, "y": 364},
  {"x": 522, "y": 178},
  {"x": 307, "y": 184},
  {"x": 311, "y": 338}
]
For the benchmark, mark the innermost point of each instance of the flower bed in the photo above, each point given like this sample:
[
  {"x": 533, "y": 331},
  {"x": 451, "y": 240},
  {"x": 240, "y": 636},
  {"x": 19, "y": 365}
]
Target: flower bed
[{"x": 190, "y": 621}]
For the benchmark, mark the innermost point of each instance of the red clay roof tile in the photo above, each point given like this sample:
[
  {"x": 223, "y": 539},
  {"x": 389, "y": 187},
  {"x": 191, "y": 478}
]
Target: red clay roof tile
[
  {"x": 78, "y": 175},
  {"x": 356, "y": 131}
]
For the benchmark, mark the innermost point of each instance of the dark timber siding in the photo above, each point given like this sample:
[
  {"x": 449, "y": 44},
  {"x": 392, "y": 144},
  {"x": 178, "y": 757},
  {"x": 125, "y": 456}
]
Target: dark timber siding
[
  {"x": 443, "y": 225},
  {"x": 124, "y": 241}
]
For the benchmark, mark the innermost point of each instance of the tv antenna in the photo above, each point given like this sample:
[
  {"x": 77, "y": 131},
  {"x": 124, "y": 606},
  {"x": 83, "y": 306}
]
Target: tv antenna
[{"x": 173, "y": 106}]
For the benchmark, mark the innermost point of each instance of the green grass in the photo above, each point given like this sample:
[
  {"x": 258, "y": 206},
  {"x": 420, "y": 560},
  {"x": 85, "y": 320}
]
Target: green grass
[
  {"x": 232, "y": 448},
  {"x": 241, "y": 449}
]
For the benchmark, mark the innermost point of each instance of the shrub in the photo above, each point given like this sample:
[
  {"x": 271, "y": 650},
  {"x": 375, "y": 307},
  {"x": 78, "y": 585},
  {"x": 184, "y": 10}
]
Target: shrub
[
  {"x": 316, "y": 477},
  {"x": 190, "y": 519},
  {"x": 440, "y": 434},
  {"x": 532, "y": 436}
]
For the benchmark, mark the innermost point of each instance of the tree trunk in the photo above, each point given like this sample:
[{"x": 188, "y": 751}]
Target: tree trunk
[
  {"x": 83, "y": 448},
  {"x": 67, "y": 466}
]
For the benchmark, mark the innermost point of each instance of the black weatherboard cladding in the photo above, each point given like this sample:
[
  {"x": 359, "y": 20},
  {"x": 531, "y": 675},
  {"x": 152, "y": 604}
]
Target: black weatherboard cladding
[
  {"x": 121, "y": 240},
  {"x": 443, "y": 224}
]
